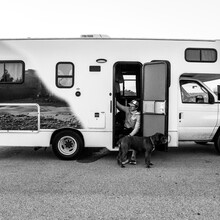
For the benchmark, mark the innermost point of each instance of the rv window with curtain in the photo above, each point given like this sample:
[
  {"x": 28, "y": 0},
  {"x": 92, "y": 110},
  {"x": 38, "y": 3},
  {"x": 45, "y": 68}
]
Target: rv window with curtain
[
  {"x": 201, "y": 55},
  {"x": 64, "y": 75},
  {"x": 11, "y": 72}
]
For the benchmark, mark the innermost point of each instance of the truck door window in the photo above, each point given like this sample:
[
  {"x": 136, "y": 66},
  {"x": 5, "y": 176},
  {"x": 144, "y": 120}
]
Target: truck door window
[{"x": 193, "y": 92}]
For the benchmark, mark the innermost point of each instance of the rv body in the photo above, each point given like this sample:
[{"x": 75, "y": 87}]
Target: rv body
[{"x": 62, "y": 92}]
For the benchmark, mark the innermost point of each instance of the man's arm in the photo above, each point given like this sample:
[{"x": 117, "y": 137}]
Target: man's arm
[
  {"x": 121, "y": 107},
  {"x": 137, "y": 126}
]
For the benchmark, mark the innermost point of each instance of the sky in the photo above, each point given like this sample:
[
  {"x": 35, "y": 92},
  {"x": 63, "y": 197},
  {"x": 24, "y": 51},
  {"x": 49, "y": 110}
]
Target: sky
[{"x": 169, "y": 19}]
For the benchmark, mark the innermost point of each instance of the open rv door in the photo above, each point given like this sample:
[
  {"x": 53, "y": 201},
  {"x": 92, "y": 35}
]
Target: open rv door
[{"x": 156, "y": 78}]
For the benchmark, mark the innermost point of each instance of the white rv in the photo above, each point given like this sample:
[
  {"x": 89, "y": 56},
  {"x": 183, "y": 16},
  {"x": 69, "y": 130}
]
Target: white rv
[{"x": 62, "y": 93}]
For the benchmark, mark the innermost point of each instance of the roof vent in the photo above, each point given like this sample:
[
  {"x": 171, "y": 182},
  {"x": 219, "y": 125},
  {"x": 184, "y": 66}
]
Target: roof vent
[{"x": 94, "y": 36}]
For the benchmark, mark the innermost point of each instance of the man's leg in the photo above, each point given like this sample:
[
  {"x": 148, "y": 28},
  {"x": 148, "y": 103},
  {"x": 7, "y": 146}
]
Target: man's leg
[{"x": 133, "y": 158}]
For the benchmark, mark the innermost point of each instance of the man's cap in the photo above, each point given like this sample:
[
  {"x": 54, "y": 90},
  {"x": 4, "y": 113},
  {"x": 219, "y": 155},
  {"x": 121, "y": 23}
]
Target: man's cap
[{"x": 134, "y": 102}]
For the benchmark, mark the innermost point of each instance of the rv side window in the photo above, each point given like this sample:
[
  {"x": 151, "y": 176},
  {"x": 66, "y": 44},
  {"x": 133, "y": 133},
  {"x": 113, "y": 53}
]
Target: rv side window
[
  {"x": 64, "y": 75},
  {"x": 11, "y": 72},
  {"x": 200, "y": 55},
  {"x": 192, "y": 92}
]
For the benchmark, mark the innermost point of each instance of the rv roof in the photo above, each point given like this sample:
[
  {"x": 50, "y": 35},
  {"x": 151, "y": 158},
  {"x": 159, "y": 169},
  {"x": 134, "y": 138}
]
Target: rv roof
[
  {"x": 106, "y": 38},
  {"x": 94, "y": 36}
]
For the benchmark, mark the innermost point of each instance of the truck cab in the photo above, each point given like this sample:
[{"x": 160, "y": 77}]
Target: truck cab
[{"x": 199, "y": 109}]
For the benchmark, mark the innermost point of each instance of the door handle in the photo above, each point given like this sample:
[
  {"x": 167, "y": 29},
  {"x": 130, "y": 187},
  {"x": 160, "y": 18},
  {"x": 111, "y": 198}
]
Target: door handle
[
  {"x": 180, "y": 116},
  {"x": 110, "y": 106}
]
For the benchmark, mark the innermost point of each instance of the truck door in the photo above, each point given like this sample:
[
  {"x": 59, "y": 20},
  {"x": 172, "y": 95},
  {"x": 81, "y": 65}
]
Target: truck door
[
  {"x": 197, "y": 111},
  {"x": 155, "y": 98}
]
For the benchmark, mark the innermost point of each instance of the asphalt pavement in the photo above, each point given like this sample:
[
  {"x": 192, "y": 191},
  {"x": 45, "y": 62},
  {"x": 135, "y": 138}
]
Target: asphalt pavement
[{"x": 183, "y": 183}]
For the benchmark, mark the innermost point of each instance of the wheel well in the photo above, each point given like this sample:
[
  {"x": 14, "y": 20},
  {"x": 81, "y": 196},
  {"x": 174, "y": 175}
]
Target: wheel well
[{"x": 66, "y": 129}]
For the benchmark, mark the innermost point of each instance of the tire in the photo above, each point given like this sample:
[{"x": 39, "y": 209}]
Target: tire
[
  {"x": 67, "y": 145},
  {"x": 217, "y": 143}
]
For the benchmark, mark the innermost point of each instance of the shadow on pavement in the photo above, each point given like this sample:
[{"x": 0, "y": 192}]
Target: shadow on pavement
[{"x": 90, "y": 155}]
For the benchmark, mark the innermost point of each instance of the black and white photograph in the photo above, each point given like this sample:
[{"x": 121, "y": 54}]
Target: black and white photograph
[{"x": 109, "y": 110}]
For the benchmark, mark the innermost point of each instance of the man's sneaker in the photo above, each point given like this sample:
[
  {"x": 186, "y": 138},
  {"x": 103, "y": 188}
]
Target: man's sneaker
[
  {"x": 133, "y": 162},
  {"x": 125, "y": 162}
]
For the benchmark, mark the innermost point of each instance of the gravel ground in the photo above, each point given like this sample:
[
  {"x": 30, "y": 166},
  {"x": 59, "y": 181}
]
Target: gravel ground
[{"x": 184, "y": 183}]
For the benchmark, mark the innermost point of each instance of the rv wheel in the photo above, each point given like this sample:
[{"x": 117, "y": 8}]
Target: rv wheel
[
  {"x": 67, "y": 145},
  {"x": 217, "y": 143}
]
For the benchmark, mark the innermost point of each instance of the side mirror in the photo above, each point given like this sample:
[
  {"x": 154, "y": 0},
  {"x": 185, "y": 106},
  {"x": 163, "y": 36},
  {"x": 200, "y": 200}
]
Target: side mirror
[{"x": 199, "y": 99}]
